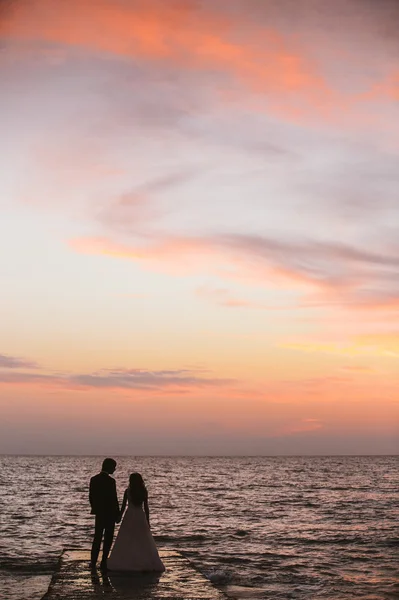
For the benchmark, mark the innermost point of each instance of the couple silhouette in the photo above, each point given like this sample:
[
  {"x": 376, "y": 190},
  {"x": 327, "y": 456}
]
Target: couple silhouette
[{"x": 134, "y": 548}]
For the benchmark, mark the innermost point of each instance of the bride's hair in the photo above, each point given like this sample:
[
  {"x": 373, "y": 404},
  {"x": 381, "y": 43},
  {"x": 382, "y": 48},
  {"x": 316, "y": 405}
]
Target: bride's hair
[{"x": 137, "y": 490}]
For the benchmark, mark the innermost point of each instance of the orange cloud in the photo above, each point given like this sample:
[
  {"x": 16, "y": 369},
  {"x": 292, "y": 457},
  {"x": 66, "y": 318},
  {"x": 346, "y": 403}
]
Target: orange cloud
[
  {"x": 384, "y": 345},
  {"x": 334, "y": 273},
  {"x": 388, "y": 88},
  {"x": 163, "y": 30},
  {"x": 253, "y": 56}
]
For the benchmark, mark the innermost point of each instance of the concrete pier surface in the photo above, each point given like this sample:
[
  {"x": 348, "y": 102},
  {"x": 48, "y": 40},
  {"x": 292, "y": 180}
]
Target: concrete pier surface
[{"x": 73, "y": 580}]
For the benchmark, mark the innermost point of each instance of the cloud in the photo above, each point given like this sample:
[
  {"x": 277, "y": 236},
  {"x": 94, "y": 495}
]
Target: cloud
[
  {"x": 386, "y": 345},
  {"x": 318, "y": 261},
  {"x": 199, "y": 39},
  {"x": 340, "y": 272},
  {"x": 223, "y": 297},
  {"x": 166, "y": 381},
  {"x": 357, "y": 186},
  {"x": 137, "y": 209},
  {"x": 13, "y": 362},
  {"x": 24, "y": 378},
  {"x": 174, "y": 81},
  {"x": 186, "y": 71},
  {"x": 146, "y": 380},
  {"x": 259, "y": 54}
]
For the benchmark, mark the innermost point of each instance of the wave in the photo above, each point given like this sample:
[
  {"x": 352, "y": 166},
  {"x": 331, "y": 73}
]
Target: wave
[
  {"x": 23, "y": 567},
  {"x": 281, "y": 530},
  {"x": 196, "y": 537},
  {"x": 389, "y": 543},
  {"x": 358, "y": 541}
]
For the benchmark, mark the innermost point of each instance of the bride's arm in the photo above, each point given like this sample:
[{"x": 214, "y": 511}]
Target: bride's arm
[
  {"x": 147, "y": 511},
  {"x": 124, "y": 502}
]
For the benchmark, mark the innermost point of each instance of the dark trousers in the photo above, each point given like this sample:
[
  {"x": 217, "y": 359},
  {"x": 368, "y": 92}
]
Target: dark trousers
[{"x": 104, "y": 526}]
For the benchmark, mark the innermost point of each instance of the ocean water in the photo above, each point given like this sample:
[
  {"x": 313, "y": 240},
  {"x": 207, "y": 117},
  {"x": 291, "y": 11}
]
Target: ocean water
[{"x": 266, "y": 527}]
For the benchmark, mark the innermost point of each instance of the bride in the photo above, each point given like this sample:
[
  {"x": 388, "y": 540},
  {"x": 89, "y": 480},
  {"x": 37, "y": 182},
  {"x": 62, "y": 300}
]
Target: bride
[{"x": 134, "y": 548}]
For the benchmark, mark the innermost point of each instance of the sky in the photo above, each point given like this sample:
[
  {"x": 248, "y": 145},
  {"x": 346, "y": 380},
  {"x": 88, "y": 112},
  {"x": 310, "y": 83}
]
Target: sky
[{"x": 199, "y": 232}]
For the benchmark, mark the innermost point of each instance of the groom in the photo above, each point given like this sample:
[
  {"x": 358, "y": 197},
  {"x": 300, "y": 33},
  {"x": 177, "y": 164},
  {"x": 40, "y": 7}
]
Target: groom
[{"x": 105, "y": 506}]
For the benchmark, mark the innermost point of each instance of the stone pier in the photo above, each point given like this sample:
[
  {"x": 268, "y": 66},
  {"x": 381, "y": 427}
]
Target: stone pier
[{"x": 73, "y": 580}]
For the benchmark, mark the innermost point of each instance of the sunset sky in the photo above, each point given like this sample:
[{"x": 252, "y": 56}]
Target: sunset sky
[{"x": 199, "y": 233}]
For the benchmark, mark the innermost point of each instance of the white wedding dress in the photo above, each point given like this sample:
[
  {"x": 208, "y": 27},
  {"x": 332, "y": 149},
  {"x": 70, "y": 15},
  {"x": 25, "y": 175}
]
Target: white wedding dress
[{"x": 134, "y": 548}]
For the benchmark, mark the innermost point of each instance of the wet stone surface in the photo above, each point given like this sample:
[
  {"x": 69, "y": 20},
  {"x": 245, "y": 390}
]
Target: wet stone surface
[{"x": 73, "y": 580}]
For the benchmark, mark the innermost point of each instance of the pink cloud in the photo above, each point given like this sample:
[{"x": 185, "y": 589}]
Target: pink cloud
[
  {"x": 224, "y": 297},
  {"x": 334, "y": 273},
  {"x": 252, "y": 53}
]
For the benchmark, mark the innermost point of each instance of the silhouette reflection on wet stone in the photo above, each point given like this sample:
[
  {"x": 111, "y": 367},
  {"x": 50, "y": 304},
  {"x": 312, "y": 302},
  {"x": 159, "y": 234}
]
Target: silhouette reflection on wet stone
[{"x": 73, "y": 580}]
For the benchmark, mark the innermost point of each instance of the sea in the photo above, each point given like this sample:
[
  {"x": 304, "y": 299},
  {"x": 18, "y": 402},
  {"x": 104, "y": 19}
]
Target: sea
[{"x": 257, "y": 527}]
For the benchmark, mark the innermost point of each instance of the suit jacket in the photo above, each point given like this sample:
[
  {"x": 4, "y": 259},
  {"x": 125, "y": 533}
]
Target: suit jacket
[{"x": 103, "y": 497}]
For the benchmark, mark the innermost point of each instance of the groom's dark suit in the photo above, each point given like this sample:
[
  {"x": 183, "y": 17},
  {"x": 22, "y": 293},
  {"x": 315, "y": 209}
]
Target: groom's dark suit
[{"x": 104, "y": 504}]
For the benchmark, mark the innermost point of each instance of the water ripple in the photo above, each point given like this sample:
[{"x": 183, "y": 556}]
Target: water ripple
[{"x": 320, "y": 527}]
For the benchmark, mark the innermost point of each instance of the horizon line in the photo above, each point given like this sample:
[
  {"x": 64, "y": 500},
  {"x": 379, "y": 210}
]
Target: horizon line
[{"x": 200, "y": 455}]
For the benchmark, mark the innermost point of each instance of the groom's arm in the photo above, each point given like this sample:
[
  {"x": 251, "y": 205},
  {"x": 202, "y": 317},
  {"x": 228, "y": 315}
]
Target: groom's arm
[
  {"x": 117, "y": 512},
  {"x": 91, "y": 496}
]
